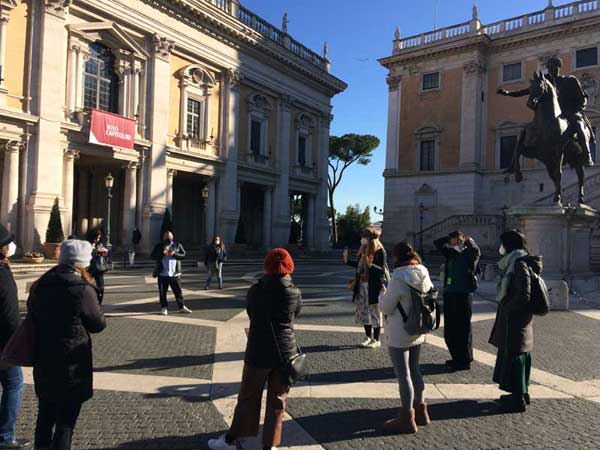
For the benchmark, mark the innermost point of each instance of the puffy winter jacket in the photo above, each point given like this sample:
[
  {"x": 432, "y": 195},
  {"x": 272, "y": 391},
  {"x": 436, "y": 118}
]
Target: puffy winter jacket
[
  {"x": 273, "y": 300},
  {"x": 395, "y": 334},
  {"x": 9, "y": 304}
]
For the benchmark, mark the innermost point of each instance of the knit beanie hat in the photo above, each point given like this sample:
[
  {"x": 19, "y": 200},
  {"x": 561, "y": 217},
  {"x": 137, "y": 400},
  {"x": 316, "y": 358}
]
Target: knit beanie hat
[
  {"x": 279, "y": 263},
  {"x": 74, "y": 252},
  {"x": 5, "y": 236}
]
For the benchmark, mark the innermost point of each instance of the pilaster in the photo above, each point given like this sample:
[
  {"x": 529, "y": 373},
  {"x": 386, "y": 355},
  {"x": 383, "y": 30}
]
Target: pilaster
[
  {"x": 129, "y": 201},
  {"x": 393, "y": 127},
  {"x": 10, "y": 185},
  {"x": 321, "y": 216},
  {"x": 471, "y": 114},
  {"x": 69, "y": 157},
  {"x": 282, "y": 223}
]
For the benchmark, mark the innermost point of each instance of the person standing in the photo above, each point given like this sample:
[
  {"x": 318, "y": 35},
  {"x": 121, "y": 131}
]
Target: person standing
[
  {"x": 168, "y": 255},
  {"x": 272, "y": 305},
  {"x": 99, "y": 264},
  {"x": 371, "y": 274},
  {"x": 462, "y": 257},
  {"x": 512, "y": 333},
  {"x": 65, "y": 310},
  {"x": 405, "y": 349},
  {"x": 11, "y": 378},
  {"x": 214, "y": 257}
]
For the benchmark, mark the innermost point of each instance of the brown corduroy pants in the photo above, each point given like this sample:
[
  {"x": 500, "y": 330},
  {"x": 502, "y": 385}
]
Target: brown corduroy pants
[{"x": 246, "y": 418}]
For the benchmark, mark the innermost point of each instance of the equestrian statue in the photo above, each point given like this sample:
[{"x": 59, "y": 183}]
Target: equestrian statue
[{"x": 560, "y": 132}]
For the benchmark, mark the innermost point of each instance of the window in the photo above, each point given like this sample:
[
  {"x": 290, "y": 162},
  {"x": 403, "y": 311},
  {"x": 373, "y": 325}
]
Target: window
[
  {"x": 255, "y": 136},
  {"x": 431, "y": 81},
  {"x": 194, "y": 108},
  {"x": 511, "y": 72},
  {"x": 586, "y": 57},
  {"x": 302, "y": 151},
  {"x": 100, "y": 83},
  {"x": 507, "y": 150},
  {"x": 427, "y": 162}
]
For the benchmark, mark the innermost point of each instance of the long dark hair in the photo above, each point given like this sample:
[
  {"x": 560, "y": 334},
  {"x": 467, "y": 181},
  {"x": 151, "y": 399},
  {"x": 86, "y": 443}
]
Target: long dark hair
[
  {"x": 405, "y": 255},
  {"x": 514, "y": 240},
  {"x": 93, "y": 234},
  {"x": 221, "y": 243}
]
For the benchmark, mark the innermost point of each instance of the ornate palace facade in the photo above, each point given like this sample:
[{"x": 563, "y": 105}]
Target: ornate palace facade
[
  {"x": 450, "y": 136},
  {"x": 229, "y": 120}
]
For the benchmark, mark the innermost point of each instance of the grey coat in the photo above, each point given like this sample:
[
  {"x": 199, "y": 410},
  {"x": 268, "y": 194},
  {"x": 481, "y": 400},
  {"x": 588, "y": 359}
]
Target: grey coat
[{"x": 513, "y": 329}]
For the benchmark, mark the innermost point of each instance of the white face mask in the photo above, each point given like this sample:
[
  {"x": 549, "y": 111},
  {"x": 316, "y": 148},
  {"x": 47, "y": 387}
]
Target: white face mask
[
  {"x": 502, "y": 250},
  {"x": 364, "y": 241},
  {"x": 217, "y": 242},
  {"x": 12, "y": 249},
  {"x": 458, "y": 248}
]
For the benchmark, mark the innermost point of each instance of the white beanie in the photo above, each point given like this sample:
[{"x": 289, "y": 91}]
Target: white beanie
[{"x": 74, "y": 252}]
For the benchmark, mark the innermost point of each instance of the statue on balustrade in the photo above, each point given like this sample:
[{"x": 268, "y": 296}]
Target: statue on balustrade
[{"x": 560, "y": 132}]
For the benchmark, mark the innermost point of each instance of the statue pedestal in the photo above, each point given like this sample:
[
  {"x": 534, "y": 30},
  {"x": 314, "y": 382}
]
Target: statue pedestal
[{"x": 562, "y": 236}]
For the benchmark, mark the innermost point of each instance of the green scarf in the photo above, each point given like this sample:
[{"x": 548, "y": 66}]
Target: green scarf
[{"x": 507, "y": 267}]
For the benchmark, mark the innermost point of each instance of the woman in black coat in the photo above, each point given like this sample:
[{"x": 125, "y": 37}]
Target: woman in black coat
[
  {"x": 99, "y": 263},
  {"x": 65, "y": 309},
  {"x": 273, "y": 304},
  {"x": 371, "y": 274}
]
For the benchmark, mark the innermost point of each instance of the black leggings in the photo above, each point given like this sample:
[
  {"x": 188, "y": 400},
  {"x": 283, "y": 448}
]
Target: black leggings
[
  {"x": 60, "y": 416},
  {"x": 372, "y": 332}
]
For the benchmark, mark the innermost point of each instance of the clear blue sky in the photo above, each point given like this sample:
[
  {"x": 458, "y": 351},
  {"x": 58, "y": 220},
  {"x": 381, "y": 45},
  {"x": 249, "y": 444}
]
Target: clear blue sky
[{"x": 359, "y": 32}]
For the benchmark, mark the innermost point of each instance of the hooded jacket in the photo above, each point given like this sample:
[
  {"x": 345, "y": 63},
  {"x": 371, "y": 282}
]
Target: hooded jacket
[
  {"x": 395, "y": 334},
  {"x": 513, "y": 329}
]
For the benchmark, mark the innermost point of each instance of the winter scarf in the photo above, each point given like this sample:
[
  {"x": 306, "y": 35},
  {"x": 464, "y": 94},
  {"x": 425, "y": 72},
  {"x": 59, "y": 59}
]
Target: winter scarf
[{"x": 507, "y": 267}]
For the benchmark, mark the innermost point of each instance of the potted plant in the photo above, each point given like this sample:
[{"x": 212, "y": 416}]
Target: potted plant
[
  {"x": 33, "y": 257},
  {"x": 54, "y": 233}
]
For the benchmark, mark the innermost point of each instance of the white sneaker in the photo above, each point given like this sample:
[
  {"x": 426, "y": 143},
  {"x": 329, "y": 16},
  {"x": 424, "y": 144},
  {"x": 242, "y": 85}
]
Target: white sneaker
[
  {"x": 375, "y": 344},
  {"x": 366, "y": 343},
  {"x": 185, "y": 310},
  {"x": 220, "y": 444},
  {"x": 164, "y": 312}
]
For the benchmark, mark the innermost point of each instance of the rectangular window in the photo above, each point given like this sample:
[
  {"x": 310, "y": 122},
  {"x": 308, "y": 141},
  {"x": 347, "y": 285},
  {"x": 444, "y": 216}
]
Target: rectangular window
[
  {"x": 586, "y": 57},
  {"x": 511, "y": 72},
  {"x": 302, "y": 150},
  {"x": 427, "y": 163},
  {"x": 193, "y": 118},
  {"x": 431, "y": 81},
  {"x": 255, "y": 136},
  {"x": 507, "y": 150}
]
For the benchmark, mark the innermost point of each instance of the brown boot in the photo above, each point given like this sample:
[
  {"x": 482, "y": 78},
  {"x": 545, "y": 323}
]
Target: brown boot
[
  {"x": 421, "y": 415},
  {"x": 403, "y": 424}
]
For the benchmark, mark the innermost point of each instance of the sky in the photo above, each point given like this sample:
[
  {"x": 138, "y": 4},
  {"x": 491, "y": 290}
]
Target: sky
[{"x": 360, "y": 32}]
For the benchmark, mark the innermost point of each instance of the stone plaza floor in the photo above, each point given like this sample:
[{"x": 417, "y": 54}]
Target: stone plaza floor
[{"x": 170, "y": 382}]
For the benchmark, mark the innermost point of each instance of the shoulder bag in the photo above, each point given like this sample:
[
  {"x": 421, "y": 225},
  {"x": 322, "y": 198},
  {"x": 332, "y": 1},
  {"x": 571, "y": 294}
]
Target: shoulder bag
[{"x": 295, "y": 369}]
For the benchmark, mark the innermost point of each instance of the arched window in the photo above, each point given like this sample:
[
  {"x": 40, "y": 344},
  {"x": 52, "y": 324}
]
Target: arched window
[{"x": 100, "y": 82}]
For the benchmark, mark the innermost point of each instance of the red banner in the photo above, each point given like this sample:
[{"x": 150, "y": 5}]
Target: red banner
[{"x": 111, "y": 129}]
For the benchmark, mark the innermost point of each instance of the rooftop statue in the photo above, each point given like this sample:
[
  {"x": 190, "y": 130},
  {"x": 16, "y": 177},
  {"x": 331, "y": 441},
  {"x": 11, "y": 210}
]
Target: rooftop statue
[{"x": 560, "y": 132}]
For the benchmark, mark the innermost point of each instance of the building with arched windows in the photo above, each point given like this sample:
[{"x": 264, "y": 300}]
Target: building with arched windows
[{"x": 199, "y": 107}]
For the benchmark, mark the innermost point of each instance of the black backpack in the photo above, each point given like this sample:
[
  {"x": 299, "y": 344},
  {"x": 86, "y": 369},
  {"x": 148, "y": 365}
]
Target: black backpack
[
  {"x": 539, "y": 301},
  {"x": 424, "y": 314}
]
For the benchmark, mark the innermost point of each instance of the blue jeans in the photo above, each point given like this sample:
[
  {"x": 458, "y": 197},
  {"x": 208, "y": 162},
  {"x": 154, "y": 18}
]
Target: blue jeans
[
  {"x": 12, "y": 393},
  {"x": 217, "y": 270}
]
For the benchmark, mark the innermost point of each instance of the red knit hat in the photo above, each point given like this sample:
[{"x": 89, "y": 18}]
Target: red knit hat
[{"x": 279, "y": 263}]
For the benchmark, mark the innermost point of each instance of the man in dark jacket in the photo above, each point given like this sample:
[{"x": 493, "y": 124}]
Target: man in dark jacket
[
  {"x": 462, "y": 257},
  {"x": 11, "y": 378},
  {"x": 168, "y": 255}
]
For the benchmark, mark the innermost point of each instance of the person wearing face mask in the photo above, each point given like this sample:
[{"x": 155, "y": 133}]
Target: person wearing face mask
[
  {"x": 371, "y": 275},
  {"x": 214, "y": 257},
  {"x": 11, "y": 378},
  {"x": 512, "y": 333},
  {"x": 462, "y": 257},
  {"x": 168, "y": 255}
]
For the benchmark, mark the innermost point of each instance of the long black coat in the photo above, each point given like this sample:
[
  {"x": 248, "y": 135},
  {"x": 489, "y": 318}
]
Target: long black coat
[
  {"x": 9, "y": 304},
  {"x": 513, "y": 329},
  {"x": 65, "y": 310},
  {"x": 273, "y": 300},
  {"x": 377, "y": 274}
]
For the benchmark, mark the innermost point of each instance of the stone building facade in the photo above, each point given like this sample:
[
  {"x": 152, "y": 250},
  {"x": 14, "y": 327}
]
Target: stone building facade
[
  {"x": 231, "y": 116},
  {"x": 450, "y": 136}
]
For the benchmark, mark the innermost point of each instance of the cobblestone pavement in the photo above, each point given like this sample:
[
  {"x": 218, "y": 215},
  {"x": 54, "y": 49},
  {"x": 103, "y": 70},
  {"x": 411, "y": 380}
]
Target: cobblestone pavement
[{"x": 170, "y": 382}]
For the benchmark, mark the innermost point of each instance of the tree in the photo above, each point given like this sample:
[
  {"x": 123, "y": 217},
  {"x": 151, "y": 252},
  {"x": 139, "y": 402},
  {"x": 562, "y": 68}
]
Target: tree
[
  {"x": 54, "y": 232},
  {"x": 343, "y": 152},
  {"x": 352, "y": 223},
  {"x": 167, "y": 223}
]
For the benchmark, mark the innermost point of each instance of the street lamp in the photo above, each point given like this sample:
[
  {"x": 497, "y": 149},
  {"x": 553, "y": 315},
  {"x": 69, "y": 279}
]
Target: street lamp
[
  {"x": 108, "y": 182},
  {"x": 378, "y": 210},
  {"x": 422, "y": 210},
  {"x": 204, "y": 193}
]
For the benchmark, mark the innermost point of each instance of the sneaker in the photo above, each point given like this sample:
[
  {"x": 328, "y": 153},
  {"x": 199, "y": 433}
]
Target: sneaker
[
  {"x": 164, "y": 312},
  {"x": 185, "y": 310},
  {"x": 366, "y": 343},
  {"x": 374, "y": 344},
  {"x": 14, "y": 444},
  {"x": 220, "y": 444}
]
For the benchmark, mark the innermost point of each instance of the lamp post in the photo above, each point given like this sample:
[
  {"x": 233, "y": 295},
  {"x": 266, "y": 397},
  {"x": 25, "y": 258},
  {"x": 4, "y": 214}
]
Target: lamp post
[
  {"x": 378, "y": 211},
  {"x": 108, "y": 182},
  {"x": 422, "y": 210},
  {"x": 204, "y": 193}
]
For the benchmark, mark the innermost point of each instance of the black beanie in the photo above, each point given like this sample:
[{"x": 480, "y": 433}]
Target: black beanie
[{"x": 5, "y": 236}]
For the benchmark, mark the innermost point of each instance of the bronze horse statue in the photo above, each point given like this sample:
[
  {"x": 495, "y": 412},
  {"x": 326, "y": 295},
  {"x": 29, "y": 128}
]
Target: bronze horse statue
[{"x": 546, "y": 139}]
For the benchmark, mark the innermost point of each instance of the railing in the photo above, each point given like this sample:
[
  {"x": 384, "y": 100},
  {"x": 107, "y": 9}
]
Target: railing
[
  {"x": 225, "y": 5},
  {"x": 518, "y": 24}
]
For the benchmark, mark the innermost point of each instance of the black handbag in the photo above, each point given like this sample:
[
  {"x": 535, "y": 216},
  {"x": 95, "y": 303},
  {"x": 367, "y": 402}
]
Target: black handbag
[{"x": 295, "y": 369}]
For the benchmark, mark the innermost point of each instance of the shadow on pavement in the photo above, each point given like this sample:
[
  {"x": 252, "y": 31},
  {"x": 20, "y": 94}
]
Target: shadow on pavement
[
  {"x": 172, "y": 362},
  {"x": 165, "y": 443}
]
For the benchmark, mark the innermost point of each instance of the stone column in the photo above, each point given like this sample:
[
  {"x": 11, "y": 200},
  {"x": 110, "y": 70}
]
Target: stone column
[
  {"x": 229, "y": 212},
  {"x": 310, "y": 221},
  {"x": 471, "y": 115},
  {"x": 5, "y": 10},
  {"x": 73, "y": 75},
  {"x": 210, "y": 211},
  {"x": 322, "y": 228},
  {"x": 68, "y": 185},
  {"x": 267, "y": 217},
  {"x": 282, "y": 223},
  {"x": 139, "y": 192},
  {"x": 10, "y": 185},
  {"x": 135, "y": 109},
  {"x": 155, "y": 200},
  {"x": 170, "y": 176},
  {"x": 393, "y": 126},
  {"x": 129, "y": 202}
]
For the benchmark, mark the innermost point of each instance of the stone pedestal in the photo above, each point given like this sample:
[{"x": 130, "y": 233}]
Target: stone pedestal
[{"x": 561, "y": 235}]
